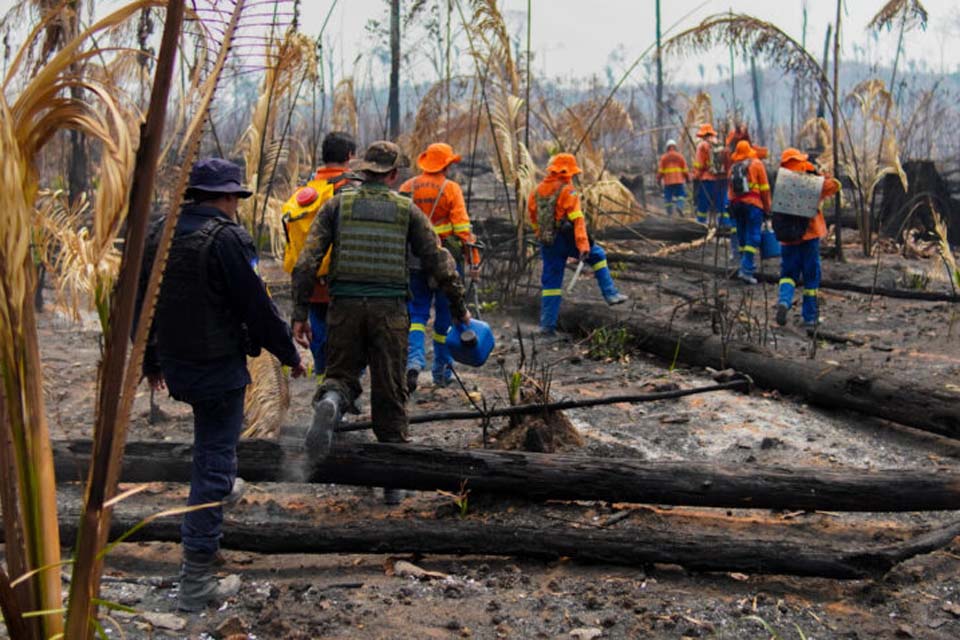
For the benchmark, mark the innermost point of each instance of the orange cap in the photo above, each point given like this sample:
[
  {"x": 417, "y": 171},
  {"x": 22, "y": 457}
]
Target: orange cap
[
  {"x": 743, "y": 151},
  {"x": 306, "y": 195},
  {"x": 706, "y": 129},
  {"x": 563, "y": 164},
  {"x": 437, "y": 157}
]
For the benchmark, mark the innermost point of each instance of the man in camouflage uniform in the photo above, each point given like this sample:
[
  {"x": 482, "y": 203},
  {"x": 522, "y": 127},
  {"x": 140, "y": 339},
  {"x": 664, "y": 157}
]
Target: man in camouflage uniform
[{"x": 370, "y": 229}]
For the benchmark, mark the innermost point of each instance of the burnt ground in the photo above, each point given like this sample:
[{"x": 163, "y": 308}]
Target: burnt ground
[{"x": 355, "y": 596}]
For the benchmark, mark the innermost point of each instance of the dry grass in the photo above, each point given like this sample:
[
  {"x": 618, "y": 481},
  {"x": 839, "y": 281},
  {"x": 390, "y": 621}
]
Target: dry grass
[{"x": 344, "y": 115}]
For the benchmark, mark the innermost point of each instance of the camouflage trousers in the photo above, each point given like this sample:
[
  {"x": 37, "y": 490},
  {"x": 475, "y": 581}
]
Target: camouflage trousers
[{"x": 370, "y": 332}]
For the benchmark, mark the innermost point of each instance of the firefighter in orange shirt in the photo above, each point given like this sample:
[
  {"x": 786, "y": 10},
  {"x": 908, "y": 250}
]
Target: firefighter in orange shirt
[
  {"x": 441, "y": 199},
  {"x": 673, "y": 175},
  {"x": 800, "y": 257},
  {"x": 710, "y": 172},
  {"x": 558, "y": 221},
  {"x": 749, "y": 203}
]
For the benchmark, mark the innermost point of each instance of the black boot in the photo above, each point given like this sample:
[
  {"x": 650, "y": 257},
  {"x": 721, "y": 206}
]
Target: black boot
[
  {"x": 199, "y": 586},
  {"x": 326, "y": 416}
]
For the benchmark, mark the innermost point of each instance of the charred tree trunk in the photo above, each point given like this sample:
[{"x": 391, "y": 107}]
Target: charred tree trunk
[
  {"x": 836, "y": 285},
  {"x": 765, "y": 549},
  {"x": 393, "y": 102},
  {"x": 930, "y": 409},
  {"x": 539, "y": 476}
]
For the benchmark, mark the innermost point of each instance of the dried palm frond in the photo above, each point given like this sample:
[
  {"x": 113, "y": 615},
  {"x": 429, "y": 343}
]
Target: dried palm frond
[
  {"x": 268, "y": 397},
  {"x": 751, "y": 36},
  {"x": 816, "y": 134},
  {"x": 911, "y": 12},
  {"x": 699, "y": 111},
  {"x": 344, "y": 115},
  {"x": 290, "y": 62},
  {"x": 944, "y": 248},
  {"x": 608, "y": 202},
  {"x": 871, "y": 106},
  {"x": 439, "y": 120},
  {"x": 491, "y": 48},
  {"x": 612, "y": 129}
]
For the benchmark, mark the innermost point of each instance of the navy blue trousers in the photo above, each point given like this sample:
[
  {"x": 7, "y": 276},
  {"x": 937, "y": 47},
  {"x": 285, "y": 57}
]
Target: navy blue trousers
[{"x": 217, "y": 423}]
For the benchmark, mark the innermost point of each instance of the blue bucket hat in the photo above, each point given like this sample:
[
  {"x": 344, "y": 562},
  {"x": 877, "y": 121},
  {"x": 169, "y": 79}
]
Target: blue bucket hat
[{"x": 216, "y": 175}]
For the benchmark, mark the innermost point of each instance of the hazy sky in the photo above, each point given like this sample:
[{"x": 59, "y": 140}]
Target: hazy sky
[{"x": 577, "y": 38}]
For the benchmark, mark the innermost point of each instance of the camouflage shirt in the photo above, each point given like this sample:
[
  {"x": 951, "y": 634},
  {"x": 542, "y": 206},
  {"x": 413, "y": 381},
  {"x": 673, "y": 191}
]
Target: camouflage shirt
[{"x": 421, "y": 239}]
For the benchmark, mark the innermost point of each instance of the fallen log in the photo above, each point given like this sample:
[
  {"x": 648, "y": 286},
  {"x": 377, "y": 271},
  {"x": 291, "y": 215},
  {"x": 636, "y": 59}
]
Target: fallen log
[
  {"x": 537, "y": 476},
  {"x": 836, "y": 285},
  {"x": 900, "y": 400},
  {"x": 764, "y": 549},
  {"x": 741, "y": 384},
  {"x": 658, "y": 228}
]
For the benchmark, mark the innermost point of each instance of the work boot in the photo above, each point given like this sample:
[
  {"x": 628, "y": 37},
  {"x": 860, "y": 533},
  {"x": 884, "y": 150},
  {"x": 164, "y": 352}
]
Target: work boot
[
  {"x": 199, "y": 586},
  {"x": 326, "y": 417},
  {"x": 782, "y": 311},
  {"x": 235, "y": 495},
  {"x": 412, "y": 376},
  {"x": 617, "y": 298}
]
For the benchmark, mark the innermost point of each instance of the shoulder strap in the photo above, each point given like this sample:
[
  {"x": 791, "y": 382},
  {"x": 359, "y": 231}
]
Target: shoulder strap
[{"x": 211, "y": 229}]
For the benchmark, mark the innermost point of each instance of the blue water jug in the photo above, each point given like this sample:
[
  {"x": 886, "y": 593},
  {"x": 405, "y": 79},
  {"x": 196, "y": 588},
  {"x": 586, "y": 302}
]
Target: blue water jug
[
  {"x": 769, "y": 245},
  {"x": 471, "y": 343}
]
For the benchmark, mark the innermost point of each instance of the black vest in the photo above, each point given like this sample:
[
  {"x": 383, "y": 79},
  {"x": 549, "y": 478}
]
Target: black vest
[{"x": 193, "y": 320}]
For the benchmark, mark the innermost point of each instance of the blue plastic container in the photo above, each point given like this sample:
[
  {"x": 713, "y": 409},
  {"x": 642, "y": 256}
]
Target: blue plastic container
[
  {"x": 470, "y": 344},
  {"x": 769, "y": 245}
]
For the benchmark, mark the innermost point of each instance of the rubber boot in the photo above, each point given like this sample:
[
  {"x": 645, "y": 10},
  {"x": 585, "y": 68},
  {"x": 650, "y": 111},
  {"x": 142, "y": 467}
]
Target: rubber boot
[
  {"x": 199, "y": 586},
  {"x": 326, "y": 416},
  {"x": 442, "y": 374}
]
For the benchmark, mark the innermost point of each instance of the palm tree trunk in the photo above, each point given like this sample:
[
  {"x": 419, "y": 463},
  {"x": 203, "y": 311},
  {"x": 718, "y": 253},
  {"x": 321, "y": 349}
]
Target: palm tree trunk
[
  {"x": 393, "y": 104},
  {"x": 836, "y": 135}
]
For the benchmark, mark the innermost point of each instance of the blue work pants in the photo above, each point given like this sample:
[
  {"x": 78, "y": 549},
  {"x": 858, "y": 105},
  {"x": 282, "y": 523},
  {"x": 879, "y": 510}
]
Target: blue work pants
[
  {"x": 711, "y": 199},
  {"x": 551, "y": 280},
  {"x": 423, "y": 297},
  {"x": 749, "y": 221},
  {"x": 674, "y": 198},
  {"x": 317, "y": 315},
  {"x": 217, "y": 423},
  {"x": 801, "y": 261}
]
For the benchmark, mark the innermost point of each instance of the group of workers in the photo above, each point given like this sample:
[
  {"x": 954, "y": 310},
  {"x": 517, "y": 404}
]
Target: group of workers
[
  {"x": 733, "y": 194},
  {"x": 367, "y": 263}
]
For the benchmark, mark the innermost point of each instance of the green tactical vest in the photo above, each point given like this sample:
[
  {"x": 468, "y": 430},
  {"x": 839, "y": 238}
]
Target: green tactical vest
[
  {"x": 547, "y": 216},
  {"x": 371, "y": 239}
]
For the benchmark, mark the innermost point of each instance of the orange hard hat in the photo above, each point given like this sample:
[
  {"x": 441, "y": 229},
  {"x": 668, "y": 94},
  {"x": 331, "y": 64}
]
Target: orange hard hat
[
  {"x": 437, "y": 157},
  {"x": 306, "y": 196},
  {"x": 743, "y": 151},
  {"x": 706, "y": 129},
  {"x": 793, "y": 155},
  {"x": 564, "y": 164}
]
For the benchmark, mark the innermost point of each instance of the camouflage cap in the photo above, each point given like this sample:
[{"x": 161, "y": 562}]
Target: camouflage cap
[{"x": 381, "y": 156}]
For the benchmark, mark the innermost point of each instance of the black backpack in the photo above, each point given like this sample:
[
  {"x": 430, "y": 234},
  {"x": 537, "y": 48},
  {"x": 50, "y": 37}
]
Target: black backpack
[
  {"x": 739, "y": 180},
  {"x": 788, "y": 227}
]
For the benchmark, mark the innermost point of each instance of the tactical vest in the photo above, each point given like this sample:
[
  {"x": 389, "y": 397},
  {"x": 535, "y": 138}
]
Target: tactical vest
[
  {"x": 371, "y": 238},
  {"x": 547, "y": 216},
  {"x": 193, "y": 319}
]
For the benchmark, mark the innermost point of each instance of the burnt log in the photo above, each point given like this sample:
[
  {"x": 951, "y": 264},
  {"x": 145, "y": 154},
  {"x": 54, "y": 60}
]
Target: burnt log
[
  {"x": 538, "y": 476},
  {"x": 900, "y": 209},
  {"x": 715, "y": 545},
  {"x": 658, "y": 228},
  {"x": 928, "y": 408},
  {"x": 835, "y": 285}
]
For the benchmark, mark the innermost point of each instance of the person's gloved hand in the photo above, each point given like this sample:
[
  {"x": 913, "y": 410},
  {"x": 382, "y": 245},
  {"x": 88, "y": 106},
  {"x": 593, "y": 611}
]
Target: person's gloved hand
[
  {"x": 465, "y": 320},
  {"x": 584, "y": 255},
  {"x": 474, "y": 273}
]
